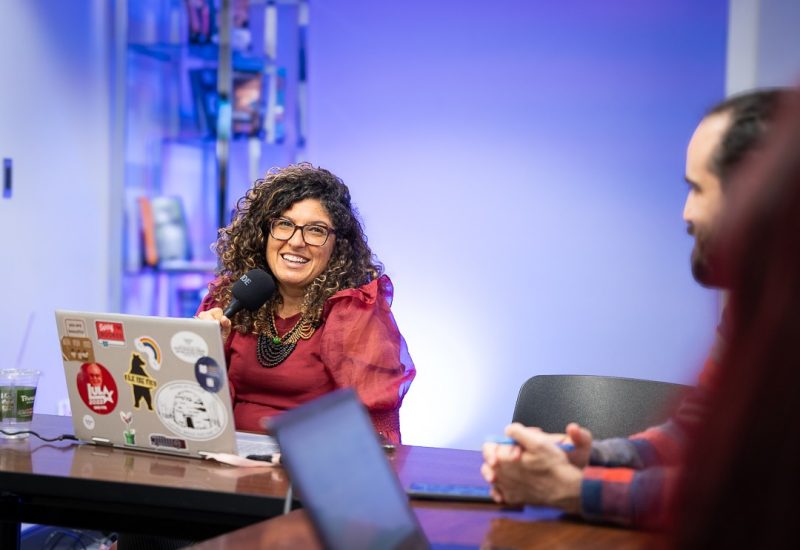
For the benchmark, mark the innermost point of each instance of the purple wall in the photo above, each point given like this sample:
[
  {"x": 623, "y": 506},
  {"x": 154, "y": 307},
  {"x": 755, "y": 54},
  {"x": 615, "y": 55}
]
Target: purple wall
[{"x": 519, "y": 168}]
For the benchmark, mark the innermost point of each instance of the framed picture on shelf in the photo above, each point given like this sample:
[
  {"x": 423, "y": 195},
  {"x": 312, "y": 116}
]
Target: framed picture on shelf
[{"x": 248, "y": 102}]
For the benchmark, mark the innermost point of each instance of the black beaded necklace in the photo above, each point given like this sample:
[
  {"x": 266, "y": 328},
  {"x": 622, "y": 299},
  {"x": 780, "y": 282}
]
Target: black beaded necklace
[{"x": 272, "y": 349}]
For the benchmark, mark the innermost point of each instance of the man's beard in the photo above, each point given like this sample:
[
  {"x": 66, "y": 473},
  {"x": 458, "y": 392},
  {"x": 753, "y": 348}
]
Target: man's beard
[{"x": 705, "y": 266}]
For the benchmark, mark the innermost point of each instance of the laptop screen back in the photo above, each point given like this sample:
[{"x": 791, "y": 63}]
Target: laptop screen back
[
  {"x": 155, "y": 384},
  {"x": 344, "y": 480}
]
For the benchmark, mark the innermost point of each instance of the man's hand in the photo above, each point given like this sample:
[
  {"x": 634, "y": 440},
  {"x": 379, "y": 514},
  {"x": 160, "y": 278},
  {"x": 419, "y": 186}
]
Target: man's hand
[
  {"x": 581, "y": 438},
  {"x": 536, "y": 471},
  {"x": 215, "y": 314}
]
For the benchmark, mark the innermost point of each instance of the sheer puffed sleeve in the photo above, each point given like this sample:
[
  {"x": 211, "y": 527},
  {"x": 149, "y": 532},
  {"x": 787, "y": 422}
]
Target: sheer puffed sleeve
[
  {"x": 208, "y": 302},
  {"x": 363, "y": 349}
]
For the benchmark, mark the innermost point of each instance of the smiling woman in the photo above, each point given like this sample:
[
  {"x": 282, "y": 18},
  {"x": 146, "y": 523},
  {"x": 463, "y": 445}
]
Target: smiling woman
[{"x": 329, "y": 324}]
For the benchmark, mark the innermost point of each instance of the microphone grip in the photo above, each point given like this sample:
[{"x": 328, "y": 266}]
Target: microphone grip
[{"x": 232, "y": 309}]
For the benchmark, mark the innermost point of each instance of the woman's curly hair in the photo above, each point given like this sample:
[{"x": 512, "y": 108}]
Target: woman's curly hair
[{"x": 241, "y": 246}]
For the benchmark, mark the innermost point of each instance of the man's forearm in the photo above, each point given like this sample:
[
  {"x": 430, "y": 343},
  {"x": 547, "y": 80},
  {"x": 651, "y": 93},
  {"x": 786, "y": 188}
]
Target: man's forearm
[{"x": 626, "y": 496}]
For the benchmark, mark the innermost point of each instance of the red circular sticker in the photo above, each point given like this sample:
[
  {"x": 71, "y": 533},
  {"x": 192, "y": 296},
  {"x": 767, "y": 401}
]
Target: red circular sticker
[{"x": 97, "y": 388}]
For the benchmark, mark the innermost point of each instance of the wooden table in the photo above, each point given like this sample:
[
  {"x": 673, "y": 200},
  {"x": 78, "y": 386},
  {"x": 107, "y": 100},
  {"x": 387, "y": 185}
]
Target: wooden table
[
  {"x": 458, "y": 524},
  {"x": 91, "y": 487}
]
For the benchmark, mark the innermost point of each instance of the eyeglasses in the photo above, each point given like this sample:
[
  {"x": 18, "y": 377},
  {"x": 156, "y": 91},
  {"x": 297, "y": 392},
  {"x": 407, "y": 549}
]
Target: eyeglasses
[{"x": 313, "y": 234}]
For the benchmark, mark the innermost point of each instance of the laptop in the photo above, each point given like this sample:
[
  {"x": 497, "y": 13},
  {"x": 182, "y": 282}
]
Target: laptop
[
  {"x": 154, "y": 384},
  {"x": 346, "y": 484}
]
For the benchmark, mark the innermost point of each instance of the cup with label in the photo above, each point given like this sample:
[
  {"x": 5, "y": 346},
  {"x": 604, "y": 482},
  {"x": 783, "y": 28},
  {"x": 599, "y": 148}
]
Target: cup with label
[{"x": 17, "y": 393}]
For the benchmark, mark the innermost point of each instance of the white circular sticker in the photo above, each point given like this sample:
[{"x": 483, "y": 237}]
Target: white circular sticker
[
  {"x": 188, "y": 346},
  {"x": 188, "y": 410},
  {"x": 88, "y": 421}
]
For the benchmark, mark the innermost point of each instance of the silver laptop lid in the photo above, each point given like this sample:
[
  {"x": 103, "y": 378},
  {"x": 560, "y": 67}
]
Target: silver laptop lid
[
  {"x": 344, "y": 480},
  {"x": 150, "y": 383}
]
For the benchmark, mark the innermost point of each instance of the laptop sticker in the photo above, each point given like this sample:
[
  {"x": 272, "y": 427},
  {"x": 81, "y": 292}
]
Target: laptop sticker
[
  {"x": 160, "y": 440},
  {"x": 88, "y": 421},
  {"x": 97, "y": 388},
  {"x": 77, "y": 348},
  {"x": 110, "y": 333},
  {"x": 188, "y": 346},
  {"x": 208, "y": 374},
  {"x": 141, "y": 383},
  {"x": 149, "y": 347},
  {"x": 129, "y": 434},
  {"x": 189, "y": 411},
  {"x": 75, "y": 327}
]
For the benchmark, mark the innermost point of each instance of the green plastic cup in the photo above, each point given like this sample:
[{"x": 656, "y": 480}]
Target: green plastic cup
[{"x": 17, "y": 394}]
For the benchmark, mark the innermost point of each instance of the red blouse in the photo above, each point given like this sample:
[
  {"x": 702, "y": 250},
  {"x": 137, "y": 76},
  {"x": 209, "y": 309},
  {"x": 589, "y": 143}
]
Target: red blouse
[{"x": 358, "y": 345}]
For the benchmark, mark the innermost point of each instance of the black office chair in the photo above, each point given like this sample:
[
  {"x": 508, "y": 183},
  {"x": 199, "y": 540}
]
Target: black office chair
[{"x": 608, "y": 406}]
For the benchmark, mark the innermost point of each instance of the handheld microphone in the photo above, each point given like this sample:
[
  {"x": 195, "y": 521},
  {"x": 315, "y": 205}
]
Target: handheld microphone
[{"x": 250, "y": 292}]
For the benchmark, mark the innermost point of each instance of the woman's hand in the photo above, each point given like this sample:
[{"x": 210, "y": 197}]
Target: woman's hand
[{"x": 215, "y": 314}]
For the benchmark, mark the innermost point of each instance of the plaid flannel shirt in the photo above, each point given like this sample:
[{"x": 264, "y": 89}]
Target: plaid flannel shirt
[{"x": 629, "y": 480}]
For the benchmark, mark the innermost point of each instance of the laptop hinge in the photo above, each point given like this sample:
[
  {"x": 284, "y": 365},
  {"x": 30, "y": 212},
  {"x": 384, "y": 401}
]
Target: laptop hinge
[{"x": 102, "y": 441}]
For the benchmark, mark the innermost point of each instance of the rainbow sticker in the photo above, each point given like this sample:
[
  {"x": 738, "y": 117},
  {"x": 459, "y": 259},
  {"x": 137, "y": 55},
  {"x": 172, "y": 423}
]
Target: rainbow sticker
[{"x": 150, "y": 348}]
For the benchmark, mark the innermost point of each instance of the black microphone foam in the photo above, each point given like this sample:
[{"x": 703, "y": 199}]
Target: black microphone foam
[{"x": 250, "y": 292}]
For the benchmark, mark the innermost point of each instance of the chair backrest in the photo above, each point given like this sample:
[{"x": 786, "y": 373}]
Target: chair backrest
[{"x": 608, "y": 406}]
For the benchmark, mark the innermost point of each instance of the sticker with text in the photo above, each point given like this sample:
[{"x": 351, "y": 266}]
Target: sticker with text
[
  {"x": 209, "y": 374},
  {"x": 191, "y": 412},
  {"x": 188, "y": 346},
  {"x": 75, "y": 327},
  {"x": 142, "y": 384},
  {"x": 97, "y": 388},
  {"x": 110, "y": 333},
  {"x": 77, "y": 348},
  {"x": 150, "y": 348}
]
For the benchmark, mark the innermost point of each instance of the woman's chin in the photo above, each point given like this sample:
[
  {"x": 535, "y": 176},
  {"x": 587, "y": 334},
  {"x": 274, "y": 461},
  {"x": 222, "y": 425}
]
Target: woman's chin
[{"x": 292, "y": 282}]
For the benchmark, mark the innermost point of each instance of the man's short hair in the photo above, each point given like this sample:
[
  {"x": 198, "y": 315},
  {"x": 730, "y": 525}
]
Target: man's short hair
[{"x": 751, "y": 115}]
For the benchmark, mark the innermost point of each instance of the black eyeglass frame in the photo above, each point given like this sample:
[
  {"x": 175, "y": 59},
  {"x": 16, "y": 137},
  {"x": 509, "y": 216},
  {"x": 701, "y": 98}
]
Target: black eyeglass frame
[{"x": 302, "y": 229}]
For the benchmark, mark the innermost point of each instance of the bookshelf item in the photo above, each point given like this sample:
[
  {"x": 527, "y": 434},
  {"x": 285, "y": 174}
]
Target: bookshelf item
[
  {"x": 148, "y": 237},
  {"x": 165, "y": 234},
  {"x": 202, "y": 21},
  {"x": 171, "y": 230}
]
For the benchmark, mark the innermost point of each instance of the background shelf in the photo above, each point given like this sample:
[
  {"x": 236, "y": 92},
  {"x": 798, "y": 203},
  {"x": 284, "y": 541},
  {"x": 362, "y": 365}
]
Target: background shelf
[{"x": 208, "y": 109}]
